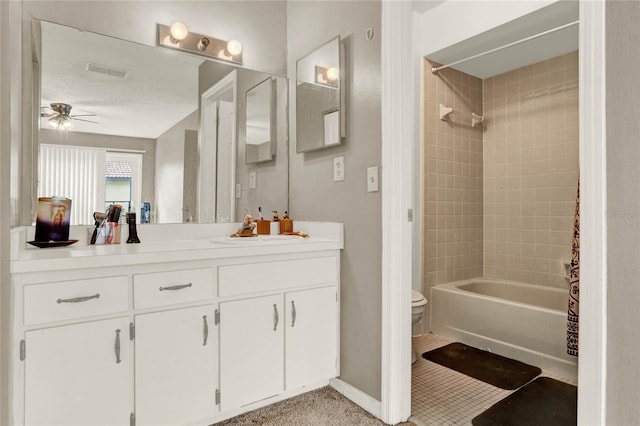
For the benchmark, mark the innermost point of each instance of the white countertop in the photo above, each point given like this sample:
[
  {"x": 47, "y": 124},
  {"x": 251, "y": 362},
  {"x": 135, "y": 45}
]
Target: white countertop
[{"x": 27, "y": 259}]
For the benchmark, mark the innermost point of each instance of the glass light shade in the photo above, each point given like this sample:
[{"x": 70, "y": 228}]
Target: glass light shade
[
  {"x": 53, "y": 122},
  {"x": 178, "y": 31},
  {"x": 67, "y": 124},
  {"x": 234, "y": 47}
]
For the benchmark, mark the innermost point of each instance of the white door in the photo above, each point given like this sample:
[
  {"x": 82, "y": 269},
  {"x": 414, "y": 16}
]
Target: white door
[
  {"x": 251, "y": 350},
  {"x": 175, "y": 366},
  {"x": 225, "y": 181},
  {"x": 79, "y": 374},
  {"x": 310, "y": 337},
  {"x": 207, "y": 143}
]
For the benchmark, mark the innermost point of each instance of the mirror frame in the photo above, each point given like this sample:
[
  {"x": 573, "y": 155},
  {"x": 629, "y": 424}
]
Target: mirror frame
[{"x": 326, "y": 121}]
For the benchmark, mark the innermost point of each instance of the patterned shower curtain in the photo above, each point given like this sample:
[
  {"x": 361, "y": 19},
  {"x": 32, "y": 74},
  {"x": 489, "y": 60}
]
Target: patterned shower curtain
[{"x": 574, "y": 283}]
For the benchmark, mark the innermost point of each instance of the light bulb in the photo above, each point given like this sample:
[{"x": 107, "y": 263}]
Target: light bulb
[
  {"x": 67, "y": 124},
  {"x": 234, "y": 47},
  {"x": 223, "y": 54},
  {"x": 178, "y": 31},
  {"x": 332, "y": 73},
  {"x": 53, "y": 122}
]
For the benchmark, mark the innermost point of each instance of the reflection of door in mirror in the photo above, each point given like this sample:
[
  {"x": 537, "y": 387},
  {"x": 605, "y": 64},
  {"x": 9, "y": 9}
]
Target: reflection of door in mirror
[
  {"x": 259, "y": 122},
  {"x": 91, "y": 177},
  {"x": 216, "y": 172}
]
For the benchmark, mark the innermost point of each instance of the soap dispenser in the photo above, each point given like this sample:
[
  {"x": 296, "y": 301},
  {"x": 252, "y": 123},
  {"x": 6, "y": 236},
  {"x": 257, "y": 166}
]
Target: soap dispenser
[
  {"x": 286, "y": 224},
  {"x": 275, "y": 223}
]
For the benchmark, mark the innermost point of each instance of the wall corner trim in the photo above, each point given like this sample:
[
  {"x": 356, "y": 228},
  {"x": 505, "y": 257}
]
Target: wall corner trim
[{"x": 371, "y": 405}]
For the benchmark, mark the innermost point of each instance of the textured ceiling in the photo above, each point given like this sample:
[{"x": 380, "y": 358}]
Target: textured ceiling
[{"x": 160, "y": 89}]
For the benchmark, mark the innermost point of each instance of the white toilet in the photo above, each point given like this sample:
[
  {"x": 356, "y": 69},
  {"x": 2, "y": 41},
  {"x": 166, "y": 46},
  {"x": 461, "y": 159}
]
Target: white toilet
[{"x": 418, "y": 305}]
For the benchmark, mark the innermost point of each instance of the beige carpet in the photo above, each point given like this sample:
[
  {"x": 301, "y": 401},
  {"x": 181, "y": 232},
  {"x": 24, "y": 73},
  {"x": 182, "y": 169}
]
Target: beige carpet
[{"x": 322, "y": 407}]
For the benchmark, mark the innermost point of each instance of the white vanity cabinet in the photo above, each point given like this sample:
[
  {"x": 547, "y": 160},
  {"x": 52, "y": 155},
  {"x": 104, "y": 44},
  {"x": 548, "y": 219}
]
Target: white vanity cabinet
[
  {"x": 310, "y": 336},
  {"x": 176, "y": 366},
  {"x": 284, "y": 337},
  {"x": 251, "y": 350},
  {"x": 79, "y": 374},
  {"x": 168, "y": 336}
]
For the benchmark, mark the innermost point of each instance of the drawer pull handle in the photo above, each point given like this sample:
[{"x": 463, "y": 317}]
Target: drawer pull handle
[
  {"x": 117, "y": 346},
  {"x": 176, "y": 287},
  {"x": 79, "y": 299},
  {"x": 293, "y": 313},
  {"x": 205, "y": 330},
  {"x": 276, "y": 318}
]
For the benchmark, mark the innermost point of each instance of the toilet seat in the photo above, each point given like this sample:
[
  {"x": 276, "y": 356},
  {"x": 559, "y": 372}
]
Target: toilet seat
[{"x": 417, "y": 299}]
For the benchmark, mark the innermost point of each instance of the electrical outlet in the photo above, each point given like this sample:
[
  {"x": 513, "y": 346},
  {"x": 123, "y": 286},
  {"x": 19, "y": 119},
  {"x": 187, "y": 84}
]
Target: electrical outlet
[
  {"x": 252, "y": 180},
  {"x": 372, "y": 179},
  {"x": 338, "y": 169}
]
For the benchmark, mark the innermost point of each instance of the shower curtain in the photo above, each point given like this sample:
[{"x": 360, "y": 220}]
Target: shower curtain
[{"x": 574, "y": 283}]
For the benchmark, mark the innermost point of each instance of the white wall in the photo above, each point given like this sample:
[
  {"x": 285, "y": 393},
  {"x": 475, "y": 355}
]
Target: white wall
[
  {"x": 315, "y": 196},
  {"x": 169, "y": 171},
  {"x": 454, "y": 21},
  {"x": 622, "y": 328}
]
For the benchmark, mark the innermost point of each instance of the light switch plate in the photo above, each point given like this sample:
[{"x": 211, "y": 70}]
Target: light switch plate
[
  {"x": 372, "y": 179},
  {"x": 338, "y": 169},
  {"x": 252, "y": 180}
]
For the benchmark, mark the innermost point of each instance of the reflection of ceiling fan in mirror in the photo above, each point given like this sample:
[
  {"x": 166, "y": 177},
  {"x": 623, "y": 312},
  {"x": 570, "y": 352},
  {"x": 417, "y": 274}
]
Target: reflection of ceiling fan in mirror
[{"x": 60, "y": 117}]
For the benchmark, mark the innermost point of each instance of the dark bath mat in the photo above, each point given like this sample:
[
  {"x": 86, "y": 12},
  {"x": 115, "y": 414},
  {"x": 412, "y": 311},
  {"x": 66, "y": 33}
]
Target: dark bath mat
[
  {"x": 497, "y": 370},
  {"x": 544, "y": 401}
]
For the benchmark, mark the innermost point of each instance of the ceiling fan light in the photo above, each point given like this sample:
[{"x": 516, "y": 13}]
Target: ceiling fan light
[
  {"x": 53, "y": 122},
  {"x": 67, "y": 124}
]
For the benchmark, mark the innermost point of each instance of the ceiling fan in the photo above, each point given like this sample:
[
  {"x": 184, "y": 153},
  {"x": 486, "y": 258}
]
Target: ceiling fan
[{"x": 60, "y": 117}]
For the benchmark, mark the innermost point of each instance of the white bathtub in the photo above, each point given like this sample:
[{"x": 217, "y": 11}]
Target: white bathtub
[{"x": 521, "y": 321}]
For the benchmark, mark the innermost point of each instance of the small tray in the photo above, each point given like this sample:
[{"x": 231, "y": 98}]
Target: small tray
[{"x": 46, "y": 244}]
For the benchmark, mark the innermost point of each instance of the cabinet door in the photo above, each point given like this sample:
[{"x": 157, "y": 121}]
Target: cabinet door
[
  {"x": 79, "y": 374},
  {"x": 251, "y": 350},
  {"x": 311, "y": 336},
  {"x": 175, "y": 366}
]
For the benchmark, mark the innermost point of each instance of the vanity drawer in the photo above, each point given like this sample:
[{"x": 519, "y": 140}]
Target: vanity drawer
[
  {"x": 67, "y": 300},
  {"x": 169, "y": 288},
  {"x": 235, "y": 280}
]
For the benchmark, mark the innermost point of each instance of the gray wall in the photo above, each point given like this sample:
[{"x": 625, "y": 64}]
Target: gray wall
[
  {"x": 315, "y": 196},
  {"x": 623, "y": 206},
  {"x": 55, "y": 137}
]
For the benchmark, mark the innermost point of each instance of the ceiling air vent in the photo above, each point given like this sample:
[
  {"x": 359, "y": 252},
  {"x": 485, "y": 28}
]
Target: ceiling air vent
[{"x": 106, "y": 70}]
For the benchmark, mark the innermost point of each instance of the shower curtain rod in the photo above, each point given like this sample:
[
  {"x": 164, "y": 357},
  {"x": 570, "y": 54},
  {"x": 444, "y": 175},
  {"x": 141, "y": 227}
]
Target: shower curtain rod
[{"x": 435, "y": 70}]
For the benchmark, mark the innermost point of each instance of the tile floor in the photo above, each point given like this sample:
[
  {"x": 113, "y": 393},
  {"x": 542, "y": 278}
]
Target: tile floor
[{"x": 442, "y": 397}]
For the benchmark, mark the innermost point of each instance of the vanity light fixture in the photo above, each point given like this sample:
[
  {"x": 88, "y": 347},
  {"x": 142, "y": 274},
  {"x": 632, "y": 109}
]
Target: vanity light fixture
[
  {"x": 177, "y": 36},
  {"x": 327, "y": 76}
]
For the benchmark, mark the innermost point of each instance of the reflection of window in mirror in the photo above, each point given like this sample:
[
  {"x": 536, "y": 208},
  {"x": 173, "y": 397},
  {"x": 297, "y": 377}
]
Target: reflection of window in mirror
[
  {"x": 123, "y": 177},
  {"x": 89, "y": 177}
]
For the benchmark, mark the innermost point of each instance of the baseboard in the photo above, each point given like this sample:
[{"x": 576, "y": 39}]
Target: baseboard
[{"x": 369, "y": 404}]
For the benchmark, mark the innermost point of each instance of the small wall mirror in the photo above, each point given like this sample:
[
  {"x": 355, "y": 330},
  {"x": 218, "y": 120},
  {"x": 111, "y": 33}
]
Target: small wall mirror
[
  {"x": 260, "y": 129},
  {"x": 319, "y": 98}
]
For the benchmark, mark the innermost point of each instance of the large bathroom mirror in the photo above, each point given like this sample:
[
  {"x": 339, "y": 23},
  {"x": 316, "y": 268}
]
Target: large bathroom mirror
[
  {"x": 259, "y": 122},
  {"x": 161, "y": 132},
  {"x": 320, "y": 108}
]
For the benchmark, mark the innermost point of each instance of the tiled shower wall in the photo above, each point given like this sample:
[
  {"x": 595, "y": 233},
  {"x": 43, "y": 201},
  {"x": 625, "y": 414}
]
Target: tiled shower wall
[
  {"x": 500, "y": 202},
  {"x": 531, "y": 170},
  {"x": 452, "y": 180}
]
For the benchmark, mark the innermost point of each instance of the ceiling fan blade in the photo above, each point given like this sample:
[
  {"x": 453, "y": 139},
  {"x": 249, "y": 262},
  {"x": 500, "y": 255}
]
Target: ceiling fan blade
[
  {"x": 82, "y": 115},
  {"x": 88, "y": 121},
  {"x": 47, "y": 115}
]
